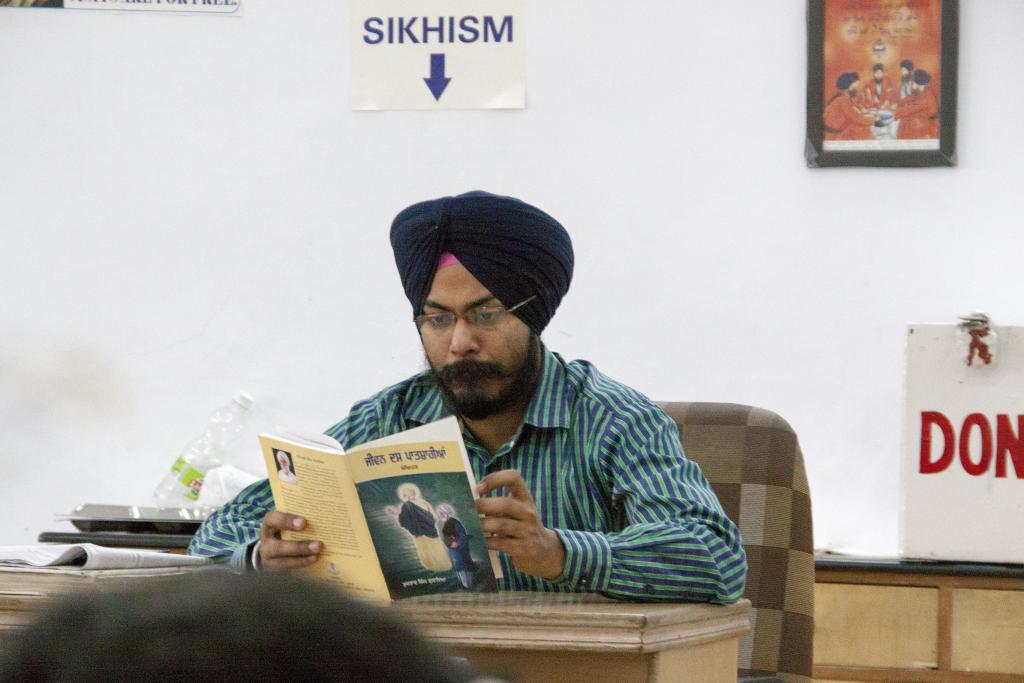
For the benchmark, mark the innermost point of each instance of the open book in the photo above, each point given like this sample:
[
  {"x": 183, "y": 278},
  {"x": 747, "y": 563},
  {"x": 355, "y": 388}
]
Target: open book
[
  {"x": 90, "y": 556},
  {"x": 397, "y": 516}
]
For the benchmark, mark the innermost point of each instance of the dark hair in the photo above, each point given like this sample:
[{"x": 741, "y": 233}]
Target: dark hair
[
  {"x": 907, "y": 64},
  {"x": 217, "y": 625},
  {"x": 846, "y": 80},
  {"x": 878, "y": 67}
]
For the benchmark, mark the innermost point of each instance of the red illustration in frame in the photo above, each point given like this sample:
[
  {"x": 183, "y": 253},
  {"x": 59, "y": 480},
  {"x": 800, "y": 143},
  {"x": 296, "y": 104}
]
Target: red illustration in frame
[{"x": 881, "y": 87}]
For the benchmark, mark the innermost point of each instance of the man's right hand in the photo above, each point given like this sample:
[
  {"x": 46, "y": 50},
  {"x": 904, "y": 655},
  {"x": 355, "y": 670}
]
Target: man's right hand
[{"x": 276, "y": 553}]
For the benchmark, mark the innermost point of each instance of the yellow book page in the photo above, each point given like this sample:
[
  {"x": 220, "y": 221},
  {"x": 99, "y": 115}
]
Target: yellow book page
[{"x": 314, "y": 481}]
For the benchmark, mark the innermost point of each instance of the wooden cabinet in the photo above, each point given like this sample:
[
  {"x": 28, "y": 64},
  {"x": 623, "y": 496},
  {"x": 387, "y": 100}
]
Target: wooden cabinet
[{"x": 915, "y": 621}]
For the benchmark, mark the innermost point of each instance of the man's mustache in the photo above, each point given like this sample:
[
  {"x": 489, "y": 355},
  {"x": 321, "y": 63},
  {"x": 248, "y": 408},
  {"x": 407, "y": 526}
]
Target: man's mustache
[{"x": 471, "y": 371}]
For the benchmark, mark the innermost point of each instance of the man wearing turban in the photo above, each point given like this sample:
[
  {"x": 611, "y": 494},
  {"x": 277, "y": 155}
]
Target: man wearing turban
[
  {"x": 906, "y": 79},
  {"x": 584, "y": 485},
  {"x": 844, "y": 118},
  {"x": 918, "y": 114},
  {"x": 878, "y": 92}
]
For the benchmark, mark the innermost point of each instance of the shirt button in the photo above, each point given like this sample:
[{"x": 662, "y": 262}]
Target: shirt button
[{"x": 585, "y": 581}]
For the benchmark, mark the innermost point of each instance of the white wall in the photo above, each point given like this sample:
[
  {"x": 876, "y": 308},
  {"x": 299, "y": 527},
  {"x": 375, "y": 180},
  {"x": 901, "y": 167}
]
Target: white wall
[{"x": 187, "y": 207}]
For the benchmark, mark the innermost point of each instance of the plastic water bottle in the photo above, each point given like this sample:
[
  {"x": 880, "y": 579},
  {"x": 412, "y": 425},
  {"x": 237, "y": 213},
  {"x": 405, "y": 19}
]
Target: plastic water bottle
[{"x": 180, "y": 487}]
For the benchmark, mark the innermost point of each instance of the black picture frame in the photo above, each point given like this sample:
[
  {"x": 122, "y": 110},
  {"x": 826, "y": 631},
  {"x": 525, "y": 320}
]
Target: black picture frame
[{"x": 945, "y": 155}]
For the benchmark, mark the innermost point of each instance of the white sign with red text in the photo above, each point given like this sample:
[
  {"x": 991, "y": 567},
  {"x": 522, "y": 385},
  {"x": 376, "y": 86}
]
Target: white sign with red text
[{"x": 962, "y": 493}]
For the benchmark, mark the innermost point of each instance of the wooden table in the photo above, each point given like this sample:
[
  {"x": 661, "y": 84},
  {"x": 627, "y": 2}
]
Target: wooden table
[
  {"x": 583, "y": 637},
  {"x": 524, "y": 636},
  {"x": 25, "y": 591}
]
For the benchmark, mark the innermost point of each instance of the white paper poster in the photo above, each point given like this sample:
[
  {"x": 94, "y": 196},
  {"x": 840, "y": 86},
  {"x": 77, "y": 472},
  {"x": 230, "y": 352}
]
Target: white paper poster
[
  {"x": 438, "y": 54},
  {"x": 195, "y": 6},
  {"x": 963, "y": 444}
]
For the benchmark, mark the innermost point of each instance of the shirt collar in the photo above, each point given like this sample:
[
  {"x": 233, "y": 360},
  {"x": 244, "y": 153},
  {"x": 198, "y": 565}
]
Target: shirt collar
[
  {"x": 548, "y": 408},
  {"x": 424, "y": 403}
]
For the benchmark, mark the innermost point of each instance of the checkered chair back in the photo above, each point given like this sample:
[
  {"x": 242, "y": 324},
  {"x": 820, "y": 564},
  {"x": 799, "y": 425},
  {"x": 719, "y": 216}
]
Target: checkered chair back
[{"x": 753, "y": 461}]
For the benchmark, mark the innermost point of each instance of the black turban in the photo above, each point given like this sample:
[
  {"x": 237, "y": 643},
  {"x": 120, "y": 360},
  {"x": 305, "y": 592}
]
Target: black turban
[
  {"x": 907, "y": 64},
  {"x": 846, "y": 80},
  {"x": 515, "y": 250}
]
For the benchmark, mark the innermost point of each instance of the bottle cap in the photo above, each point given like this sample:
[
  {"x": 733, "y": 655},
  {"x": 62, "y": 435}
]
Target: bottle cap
[{"x": 244, "y": 399}]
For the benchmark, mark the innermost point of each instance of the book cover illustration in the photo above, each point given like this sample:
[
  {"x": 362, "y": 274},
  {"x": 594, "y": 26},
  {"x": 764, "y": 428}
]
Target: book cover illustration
[
  {"x": 422, "y": 517},
  {"x": 428, "y": 537}
]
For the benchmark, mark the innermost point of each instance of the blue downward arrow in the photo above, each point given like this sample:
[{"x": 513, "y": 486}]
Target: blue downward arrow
[{"x": 437, "y": 82}]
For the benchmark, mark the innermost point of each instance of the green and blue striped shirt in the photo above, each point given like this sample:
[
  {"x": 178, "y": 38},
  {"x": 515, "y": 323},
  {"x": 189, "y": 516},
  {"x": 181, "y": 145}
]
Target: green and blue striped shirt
[{"x": 607, "y": 473}]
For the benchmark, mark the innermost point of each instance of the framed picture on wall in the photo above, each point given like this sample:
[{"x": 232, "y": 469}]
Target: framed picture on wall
[{"x": 881, "y": 82}]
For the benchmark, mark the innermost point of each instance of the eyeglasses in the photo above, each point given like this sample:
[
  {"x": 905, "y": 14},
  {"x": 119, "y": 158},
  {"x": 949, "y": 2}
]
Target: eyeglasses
[{"x": 482, "y": 317}]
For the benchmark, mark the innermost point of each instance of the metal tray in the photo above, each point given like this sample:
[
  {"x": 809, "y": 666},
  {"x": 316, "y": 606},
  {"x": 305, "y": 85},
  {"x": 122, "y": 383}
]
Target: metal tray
[{"x": 135, "y": 518}]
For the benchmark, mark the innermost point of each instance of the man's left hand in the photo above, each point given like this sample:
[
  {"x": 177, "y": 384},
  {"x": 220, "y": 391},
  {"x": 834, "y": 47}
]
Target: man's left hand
[{"x": 511, "y": 525}]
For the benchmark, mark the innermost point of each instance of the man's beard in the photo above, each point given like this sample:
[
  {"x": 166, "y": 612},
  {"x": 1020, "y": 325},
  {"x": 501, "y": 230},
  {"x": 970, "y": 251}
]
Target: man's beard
[{"x": 473, "y": 404}]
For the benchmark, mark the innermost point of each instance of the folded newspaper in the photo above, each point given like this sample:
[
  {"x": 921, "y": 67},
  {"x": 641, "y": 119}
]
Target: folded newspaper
[{"x": 91, "y": 556}]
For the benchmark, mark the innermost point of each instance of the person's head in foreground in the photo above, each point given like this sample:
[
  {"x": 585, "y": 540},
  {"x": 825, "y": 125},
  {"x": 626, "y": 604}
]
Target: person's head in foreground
[{"x": 220, "y": 626}]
